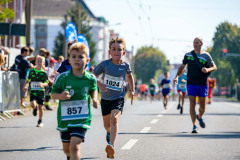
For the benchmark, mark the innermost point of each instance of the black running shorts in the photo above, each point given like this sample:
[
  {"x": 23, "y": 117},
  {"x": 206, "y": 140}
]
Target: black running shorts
[
  {"x": 108, "y": 105},
  {"x": 73, "y": 132}
]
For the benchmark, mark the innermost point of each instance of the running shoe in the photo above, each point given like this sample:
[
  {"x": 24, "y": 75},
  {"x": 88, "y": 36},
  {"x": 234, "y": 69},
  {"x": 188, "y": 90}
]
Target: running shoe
[
  {"x": 165, "y": 106},
  {"x": 35, "y": 111},
  {"x": 178, "y": 107},
  {"x": 68, "y": 158},
  {"x": 195, "y": 129},
  {"x": 48, "y": 108},
  {"x": 108, "y": 137},
  {"x": 201, "y": 122},
  {"x": 181, "y": 109},
  {"x": 40, "y": 124},
  {"x": 110, "y": 151}
]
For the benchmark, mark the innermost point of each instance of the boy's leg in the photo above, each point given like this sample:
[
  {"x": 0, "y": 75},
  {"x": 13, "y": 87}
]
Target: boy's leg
[
  {"x": 33, "y": 104},
  {"x": 75, "y": 148},
  {"x": 115, "y": 114},
  {"x": 192, "y": 100},
  {"x": 41, "y": 111},
  {"x": 106, "y": 122},
  {"x": 66, "y": 148}
]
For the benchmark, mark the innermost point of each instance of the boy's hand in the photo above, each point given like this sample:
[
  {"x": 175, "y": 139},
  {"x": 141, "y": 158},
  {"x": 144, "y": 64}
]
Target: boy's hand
[
  {"x": 102, "y": 87},
  {"x": 132, "y": 96},
  {"x": 41, "y": 84},
  {"x": 95, "y": 103},
  {"x": 25, "y": 89},
  {"x": 204, "y": 70},
  {"x": 175, "y": 81},
  {"x": 65, "y": 95}
]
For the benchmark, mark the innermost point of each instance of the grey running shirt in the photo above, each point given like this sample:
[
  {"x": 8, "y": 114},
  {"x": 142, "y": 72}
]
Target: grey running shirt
[{"x": 114, "y": 77}]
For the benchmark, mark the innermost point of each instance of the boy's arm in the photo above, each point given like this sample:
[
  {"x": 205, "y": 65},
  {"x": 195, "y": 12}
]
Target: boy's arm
[
  {"x": 101, "y": 86},
  {"x": 61, "y": 96},
  {"x": 25, "y": 86},
  {"x": 131, "y": 85},
  {"x": 94, "y": 96}
]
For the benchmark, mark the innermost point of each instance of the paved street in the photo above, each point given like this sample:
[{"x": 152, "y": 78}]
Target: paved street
[{"x": 146, "y": 132}]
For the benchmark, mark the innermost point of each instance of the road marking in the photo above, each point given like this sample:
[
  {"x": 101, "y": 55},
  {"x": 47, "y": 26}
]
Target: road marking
[
  {"x": 154, "y": 121},
  {"x": 145, "y": 129},
  {"x": 129, "y": 144},
  {"x": 160, "y": 115}
]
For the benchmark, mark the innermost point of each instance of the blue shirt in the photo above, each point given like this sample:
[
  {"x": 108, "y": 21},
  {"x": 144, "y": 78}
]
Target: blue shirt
[
  {"x": 65, "y": 66},
  {"x": 166, "y": 85},
  {"x": 182, "y": 85}
]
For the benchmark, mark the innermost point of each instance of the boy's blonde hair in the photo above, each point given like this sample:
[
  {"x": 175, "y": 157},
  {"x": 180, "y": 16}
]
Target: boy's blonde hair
[
  {"x": 61, "y": 57},
  {"x": 117, "y": 40},
  {"x": 42, "y": 58},
  {"x": 80, "y": 47}
]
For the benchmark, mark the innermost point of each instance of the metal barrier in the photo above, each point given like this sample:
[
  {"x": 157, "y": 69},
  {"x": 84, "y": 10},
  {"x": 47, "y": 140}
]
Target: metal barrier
[{"x": 10, "y": 94}]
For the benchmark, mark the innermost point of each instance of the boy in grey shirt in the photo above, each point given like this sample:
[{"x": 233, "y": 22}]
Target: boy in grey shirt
[{"x": 114, "y": 73}]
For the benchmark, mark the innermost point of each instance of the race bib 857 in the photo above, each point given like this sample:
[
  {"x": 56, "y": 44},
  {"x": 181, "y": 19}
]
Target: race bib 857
[{"x": 72, "y": 110}]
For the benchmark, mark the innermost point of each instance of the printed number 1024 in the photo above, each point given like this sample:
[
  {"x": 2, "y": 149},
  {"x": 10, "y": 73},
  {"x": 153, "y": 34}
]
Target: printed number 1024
[{"x": 112, "y": 83}]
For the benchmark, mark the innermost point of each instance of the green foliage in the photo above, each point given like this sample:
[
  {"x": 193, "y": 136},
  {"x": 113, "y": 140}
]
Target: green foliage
[
  {"x": 5, "y": 13},
  {"x": 85, "y": 30},
  {"x": 148, "y": 62},
  {"x": 226, "y": 36}
]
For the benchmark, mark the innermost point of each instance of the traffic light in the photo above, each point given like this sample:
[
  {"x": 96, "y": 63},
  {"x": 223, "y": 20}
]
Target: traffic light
[{"x": 224, "y": 54}]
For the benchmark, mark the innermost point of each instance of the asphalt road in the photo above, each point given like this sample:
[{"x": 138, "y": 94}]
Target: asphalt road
[{"x": 146, "y": 132}]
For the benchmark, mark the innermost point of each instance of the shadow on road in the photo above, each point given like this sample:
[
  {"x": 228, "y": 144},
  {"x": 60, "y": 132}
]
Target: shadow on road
[
  {"x": 223, "y": 114},
  {"x": 218, "y": 135},
  {"x": 30, "y": 150},
  {"x": 19, "y": 127}
]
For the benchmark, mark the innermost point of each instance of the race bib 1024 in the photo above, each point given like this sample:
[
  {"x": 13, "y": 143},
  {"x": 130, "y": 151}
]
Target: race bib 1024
[
  {"x": 114, "y": 83},
  {"x": 36, "y": 86},
  {"x": 73, "y": 110}
]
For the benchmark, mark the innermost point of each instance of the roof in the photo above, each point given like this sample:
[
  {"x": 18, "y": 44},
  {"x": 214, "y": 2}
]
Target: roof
[
  {"x": 51, "y": 8},
  {"x": 57, "y": 9}
]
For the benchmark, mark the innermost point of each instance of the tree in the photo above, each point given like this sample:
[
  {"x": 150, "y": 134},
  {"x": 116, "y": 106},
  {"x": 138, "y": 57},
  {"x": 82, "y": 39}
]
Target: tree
[
  {"x": 226, "y": 36},
  {"x": 5, "y": 13},
  {"x": 148, "y": 62},
  {"x": 85, "y": 30}
]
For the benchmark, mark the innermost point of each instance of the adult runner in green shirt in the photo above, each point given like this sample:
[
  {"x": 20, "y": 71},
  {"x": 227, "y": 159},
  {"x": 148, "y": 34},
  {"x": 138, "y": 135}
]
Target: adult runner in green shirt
[{"x": 73, "y": 88}]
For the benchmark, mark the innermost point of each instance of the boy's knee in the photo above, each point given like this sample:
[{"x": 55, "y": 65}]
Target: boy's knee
[
  {"x": 114, "y": 119},
  {"x": 74, "y": 147}
]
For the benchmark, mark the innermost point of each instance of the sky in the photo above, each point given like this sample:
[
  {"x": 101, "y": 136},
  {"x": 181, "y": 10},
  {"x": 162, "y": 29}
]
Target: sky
[{"x": 169, "y": 25}]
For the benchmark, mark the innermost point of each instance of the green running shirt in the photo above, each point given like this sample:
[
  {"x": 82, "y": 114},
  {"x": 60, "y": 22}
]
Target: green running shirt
[
  {"x": 35, "y": 76},
  {"x": 75, "y": 112}
]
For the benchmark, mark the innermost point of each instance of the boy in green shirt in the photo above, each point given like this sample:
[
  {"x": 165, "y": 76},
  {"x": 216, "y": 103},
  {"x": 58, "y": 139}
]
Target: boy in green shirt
[
  {"x": 73, "y": 88},
  {"x": 152, "y": 89},
  {"x": 38, "y": 79}
]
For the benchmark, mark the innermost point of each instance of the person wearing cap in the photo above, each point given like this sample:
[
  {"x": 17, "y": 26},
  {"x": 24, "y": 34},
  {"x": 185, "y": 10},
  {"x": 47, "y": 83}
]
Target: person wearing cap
[{"x": 51, "y": 78}]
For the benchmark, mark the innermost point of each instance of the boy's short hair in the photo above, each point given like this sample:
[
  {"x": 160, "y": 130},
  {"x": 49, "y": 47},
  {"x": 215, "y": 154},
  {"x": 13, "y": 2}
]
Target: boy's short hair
[
  {"x": 31, "y": 49},
  {"x": 24, "y": 49},
  {"x": 79, "y": 47},
  {"x": 117, "y": 40},
  {"x": 43, "y": 50},
  {"x": 61, "y": 57},
  {"x": 43, "y": 58},
  {"x": 71, "y": 43},
  {"x": 165, "y": 73}
]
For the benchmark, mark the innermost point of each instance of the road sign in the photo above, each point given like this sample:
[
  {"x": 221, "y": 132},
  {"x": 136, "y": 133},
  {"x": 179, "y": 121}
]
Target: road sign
[
  {"x": 71, "y": 32},
  {"x": 83, "y": 39},
  {"x": 14, "y": 28}
]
